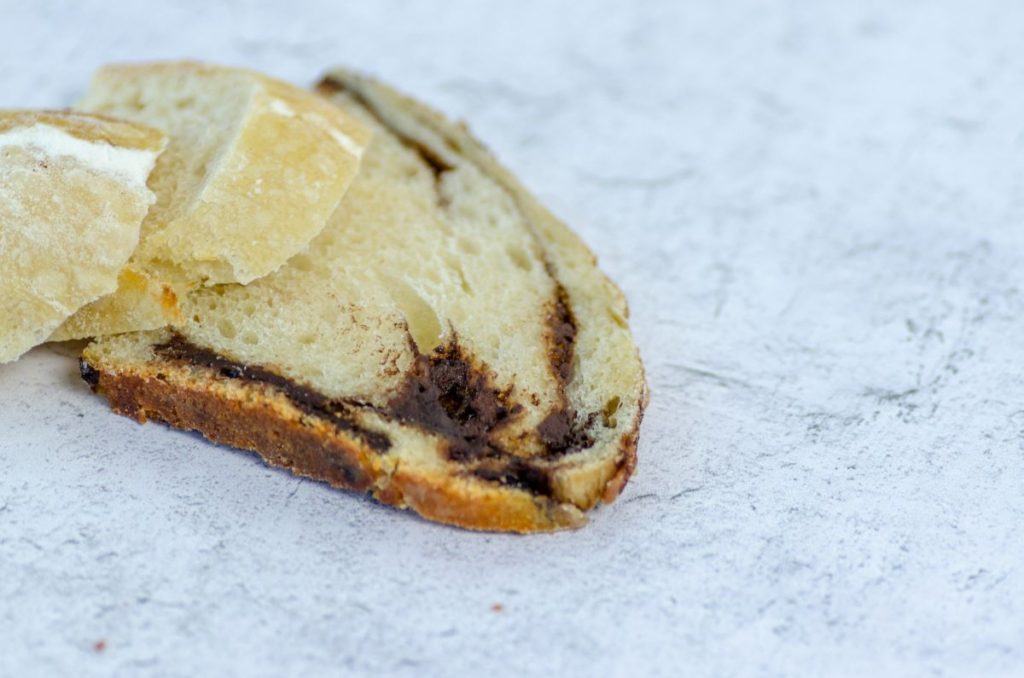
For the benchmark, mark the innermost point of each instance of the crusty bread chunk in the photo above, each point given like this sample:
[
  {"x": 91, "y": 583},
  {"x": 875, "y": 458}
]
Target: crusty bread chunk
[
  {"x": 72, "y": 198},
  {"x": 445, "y": 344},
  {"x": 140, "y": 301},
  {"x": 254, "y": 169}
]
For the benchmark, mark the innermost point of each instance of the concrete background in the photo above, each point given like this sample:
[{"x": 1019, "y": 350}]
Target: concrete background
[{"x": 816, "y": 210}]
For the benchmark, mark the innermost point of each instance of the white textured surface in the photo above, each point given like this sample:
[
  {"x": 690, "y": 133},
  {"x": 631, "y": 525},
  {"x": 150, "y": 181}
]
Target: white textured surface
[{"x": 817, "y": 212}]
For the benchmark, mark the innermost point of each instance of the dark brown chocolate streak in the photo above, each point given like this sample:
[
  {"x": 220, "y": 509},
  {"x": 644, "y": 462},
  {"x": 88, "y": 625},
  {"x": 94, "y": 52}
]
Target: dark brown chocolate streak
[
  {"x": 563, "y": 431},
  {"x": 310, "y": 401},
  {"x": 561, "y": 334},
  {"x": 431, "y": 157},
  {"x": 517, "y": 473},
  {"x": 445, "y": 394},
  {"x": 449, "y": 396}
]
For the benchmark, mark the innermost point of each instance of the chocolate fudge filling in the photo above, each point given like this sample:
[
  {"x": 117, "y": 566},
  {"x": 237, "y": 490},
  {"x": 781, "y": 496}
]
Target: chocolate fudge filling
[
  {"x": 519, "y": 473},
  {"x": 562, "y": 431},
  {"x": 561, "y": 335},
  {"x": 446, "y": 394}
]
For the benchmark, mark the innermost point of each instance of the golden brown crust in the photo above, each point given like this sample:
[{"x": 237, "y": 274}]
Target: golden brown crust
[
  {"x": 627, "y": 463},
  {"x": 255, "y": 419},
  {"x": 255, "y": 424},
  {"x": 438, "y": 499}
]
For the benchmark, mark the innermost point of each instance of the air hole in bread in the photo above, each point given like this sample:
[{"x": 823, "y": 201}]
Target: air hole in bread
[
  {"x": 184, "y": 103},
  {"x": 456, "y": 266},
  {"x": 519, "y": 257},
  {"x": 227, "y": 329},
  {"x": 608, "y": 413},
  {"x": 619, "y": 320},
  {"x": 453, "y": 145},
  {"x": 468, "y": 246},
  {"x": 250, "y": 338},
  {"x": 420, "y": 317},
  {"x": 302, "y": 262},
  {"x": 463, "y": 282}
]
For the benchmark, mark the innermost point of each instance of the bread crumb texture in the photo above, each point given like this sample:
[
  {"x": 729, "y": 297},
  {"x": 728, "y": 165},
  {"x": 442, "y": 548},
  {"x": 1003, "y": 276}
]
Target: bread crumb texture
[
  {"x": 73, "y": 195},
  {"x": 254, "y": 169}
]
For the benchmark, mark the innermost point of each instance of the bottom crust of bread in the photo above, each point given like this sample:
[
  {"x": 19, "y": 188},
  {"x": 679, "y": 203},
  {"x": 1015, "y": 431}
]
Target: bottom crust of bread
[{"x": 260, "y": 421}]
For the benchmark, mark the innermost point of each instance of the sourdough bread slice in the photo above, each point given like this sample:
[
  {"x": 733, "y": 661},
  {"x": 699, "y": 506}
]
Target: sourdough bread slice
[
  {"x": 445, "y": 344},
  {"x": 72, "y": 198},
  {"x": 254, "y": 169}
]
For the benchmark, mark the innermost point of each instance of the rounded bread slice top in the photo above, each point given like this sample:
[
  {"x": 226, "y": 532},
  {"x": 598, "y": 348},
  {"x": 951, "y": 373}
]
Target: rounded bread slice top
[
  {"x": 73, "y": 195},
  {"x": 254, "y": 169}
]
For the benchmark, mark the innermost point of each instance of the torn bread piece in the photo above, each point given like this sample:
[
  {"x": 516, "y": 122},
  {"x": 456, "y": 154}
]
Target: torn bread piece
[
  {"x": 446, "y": 344},
  {"x": 72, "y": 198},
  {"x": 254, "y": 169}
]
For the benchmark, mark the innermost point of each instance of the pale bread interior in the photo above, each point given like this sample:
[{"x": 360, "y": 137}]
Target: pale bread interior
[
  {"x": 72, "y": 198},
  {"x": 202, "y": 116},
  {"x": 254, "y": 169},
  {"x": 141, "y": 300}
]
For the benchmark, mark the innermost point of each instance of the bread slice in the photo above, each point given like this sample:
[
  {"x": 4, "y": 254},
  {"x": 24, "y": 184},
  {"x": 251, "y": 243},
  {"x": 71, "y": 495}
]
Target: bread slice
[
  {"x": 445, "y": 344},
  {"x": 72, "y": 198},
  {"x": 254, "y": 170}
]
